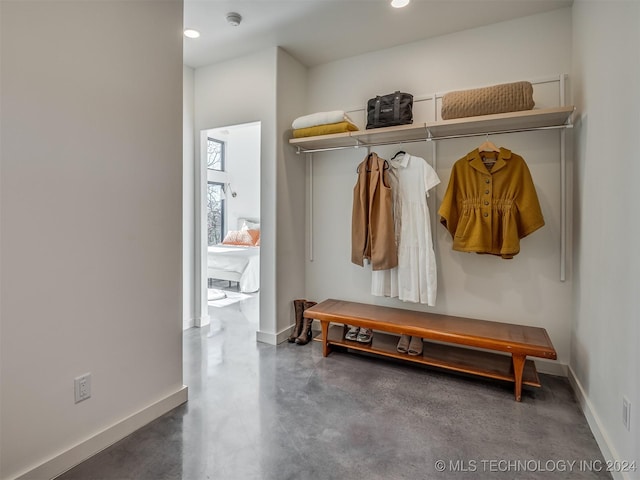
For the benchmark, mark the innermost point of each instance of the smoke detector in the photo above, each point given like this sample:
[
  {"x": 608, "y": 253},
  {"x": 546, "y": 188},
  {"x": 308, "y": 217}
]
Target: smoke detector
[{"x": 234, "y": 19}]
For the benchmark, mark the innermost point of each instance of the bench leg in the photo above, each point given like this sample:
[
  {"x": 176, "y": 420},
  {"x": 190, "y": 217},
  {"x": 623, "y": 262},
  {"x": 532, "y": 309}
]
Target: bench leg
[
  {"x": 326, "y": 349},
  {"x": 518, "y": 368}
]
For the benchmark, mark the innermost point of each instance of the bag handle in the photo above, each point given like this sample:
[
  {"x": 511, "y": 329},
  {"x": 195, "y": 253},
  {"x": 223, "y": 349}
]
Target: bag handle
[{"x": 396, "y": 105}]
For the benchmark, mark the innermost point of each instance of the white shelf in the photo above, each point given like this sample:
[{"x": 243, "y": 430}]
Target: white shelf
[
  {"x": 503, "y": 122},
  {"x": 559, "y": 117}
]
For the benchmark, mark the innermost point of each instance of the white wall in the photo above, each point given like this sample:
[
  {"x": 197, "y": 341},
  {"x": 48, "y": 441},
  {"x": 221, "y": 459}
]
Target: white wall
[
  {"x": 235, "y": 92},
  {"x": 243, "y": 174},
  {"x": 268, "y": 87},
  {"x": 291, "y": 94},
  {"x": 524, "y": 290},
  {"x": 188, "y": 198},
  {"x": 231, "y": 93},
  {"x": 90, "y": 225},
  {"x": 605, "y": 334}
]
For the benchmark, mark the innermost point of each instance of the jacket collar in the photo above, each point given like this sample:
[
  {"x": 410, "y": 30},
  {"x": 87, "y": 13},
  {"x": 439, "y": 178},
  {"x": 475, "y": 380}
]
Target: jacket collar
[{"x": 475, "y": 161}]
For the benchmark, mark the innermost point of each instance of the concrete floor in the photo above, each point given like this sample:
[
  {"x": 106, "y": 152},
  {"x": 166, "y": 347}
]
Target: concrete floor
[{"x": 261, "y": 412}]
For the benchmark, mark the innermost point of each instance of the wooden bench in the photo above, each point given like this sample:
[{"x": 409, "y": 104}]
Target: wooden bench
[{"x": 517, "y": 340}]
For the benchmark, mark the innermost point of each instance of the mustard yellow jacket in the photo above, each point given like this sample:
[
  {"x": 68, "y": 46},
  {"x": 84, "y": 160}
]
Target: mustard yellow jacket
[
  {"x": 372, "y": 225},
  {"x": 488, "y": 210}
]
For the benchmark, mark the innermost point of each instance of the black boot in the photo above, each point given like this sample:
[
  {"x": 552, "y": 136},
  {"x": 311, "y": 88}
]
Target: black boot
[
  {"x": 298, "y": 309},
  {"x": 305, "y": 334}
]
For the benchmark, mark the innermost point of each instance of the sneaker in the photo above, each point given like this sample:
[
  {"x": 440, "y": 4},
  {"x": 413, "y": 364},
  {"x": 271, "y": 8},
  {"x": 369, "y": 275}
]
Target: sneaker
[
  {"x": 352, "y": 334},
  {"x": 365, "y": 335}
]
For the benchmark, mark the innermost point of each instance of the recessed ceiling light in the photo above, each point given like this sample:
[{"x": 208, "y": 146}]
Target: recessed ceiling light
[
  {"x": 399, "y": 3},
  {"x": 191, "y": 33}
]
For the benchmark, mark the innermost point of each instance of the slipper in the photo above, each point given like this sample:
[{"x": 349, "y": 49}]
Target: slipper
[
  {"x": 352, "y": 334},
  {"x": 403, "y": 344},
  {"x": 365, "y": 335},
  {"x": 415, "y": 346}
]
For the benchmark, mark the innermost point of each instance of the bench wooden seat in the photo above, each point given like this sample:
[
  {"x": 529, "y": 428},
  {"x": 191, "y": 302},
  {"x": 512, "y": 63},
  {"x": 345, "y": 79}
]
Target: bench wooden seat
[{"x": 519, "y": 341}]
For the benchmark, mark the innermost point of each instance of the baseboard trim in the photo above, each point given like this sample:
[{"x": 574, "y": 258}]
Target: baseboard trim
[
  {"x": 188, "y": 323},
  {"x": 273, "y": 338},
  {"x": 551, "y": 367},
  {"x": 68, "y": 459},
  {"x": 202, "y": 321},
  {"x": 268, "y": 338},
  {"x": 595, "y": 424}
]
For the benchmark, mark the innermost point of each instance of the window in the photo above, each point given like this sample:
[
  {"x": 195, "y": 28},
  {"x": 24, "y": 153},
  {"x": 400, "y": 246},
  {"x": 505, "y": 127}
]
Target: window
[
  {"x": 215, "y": 191},
  {"x": 215, "y": 154},
  {"x": 215, "y": 212}
]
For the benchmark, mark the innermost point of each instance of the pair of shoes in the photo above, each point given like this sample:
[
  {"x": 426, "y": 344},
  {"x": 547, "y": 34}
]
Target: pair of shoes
[
  {"x": 352, "y": 334},
  {"x": 301, "y": 333},
  {"x": 365, "y": 335},
  {"x": 357, "y": 334},
  {"x": 411, "y": 345}
]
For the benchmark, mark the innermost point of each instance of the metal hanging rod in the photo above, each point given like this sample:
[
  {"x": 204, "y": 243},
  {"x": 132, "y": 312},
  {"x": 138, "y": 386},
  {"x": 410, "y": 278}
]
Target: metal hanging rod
[
  {"x": 498, "y": 132},
  {"x": 359, "y": 145}
]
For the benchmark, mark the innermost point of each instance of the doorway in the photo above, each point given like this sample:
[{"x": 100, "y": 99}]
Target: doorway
[{"x": 229, "y": 220}]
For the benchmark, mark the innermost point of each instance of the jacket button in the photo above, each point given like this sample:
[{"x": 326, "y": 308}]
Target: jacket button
[
  {"x": 486, "y": 192},
  {"x": 486, "y": 203},
  {"x": 487, "y": 181},
  {"x": 486, "y": 214}
]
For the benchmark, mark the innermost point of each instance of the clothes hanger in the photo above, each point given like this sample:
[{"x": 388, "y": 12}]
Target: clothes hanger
[
  {"x": 368, "y": 168},
  {"x": 399, "y": 152},
  {"x": 488, "y": 146}
]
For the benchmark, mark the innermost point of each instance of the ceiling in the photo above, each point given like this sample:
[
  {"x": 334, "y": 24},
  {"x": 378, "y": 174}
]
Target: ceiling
[{"x": 321, "y": 31}]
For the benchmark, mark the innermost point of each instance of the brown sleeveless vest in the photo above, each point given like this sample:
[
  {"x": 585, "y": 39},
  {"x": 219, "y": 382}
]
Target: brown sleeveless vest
[{"x": 372, "y": 227}]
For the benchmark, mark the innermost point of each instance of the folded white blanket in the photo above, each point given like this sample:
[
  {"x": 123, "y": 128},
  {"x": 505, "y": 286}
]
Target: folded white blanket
[{"x": 320, "y": 118}]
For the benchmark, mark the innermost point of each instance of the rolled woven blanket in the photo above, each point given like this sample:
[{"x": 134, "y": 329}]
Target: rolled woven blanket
[{"x": 507, "y": 97}]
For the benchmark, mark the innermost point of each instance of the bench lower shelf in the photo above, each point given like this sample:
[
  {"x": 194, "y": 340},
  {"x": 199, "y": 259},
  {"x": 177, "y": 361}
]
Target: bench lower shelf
[{"x": 450, "y": 357}]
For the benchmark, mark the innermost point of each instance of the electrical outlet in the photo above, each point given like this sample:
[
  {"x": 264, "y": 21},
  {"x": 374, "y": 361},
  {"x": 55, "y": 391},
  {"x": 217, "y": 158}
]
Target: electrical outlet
[
  {"x": 82, "y": 386},
  {"x": 626, "y": 413}
]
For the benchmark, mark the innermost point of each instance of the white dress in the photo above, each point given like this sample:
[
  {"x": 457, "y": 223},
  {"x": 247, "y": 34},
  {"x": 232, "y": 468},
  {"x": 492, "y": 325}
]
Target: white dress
[{"x": 415, "y": 278}]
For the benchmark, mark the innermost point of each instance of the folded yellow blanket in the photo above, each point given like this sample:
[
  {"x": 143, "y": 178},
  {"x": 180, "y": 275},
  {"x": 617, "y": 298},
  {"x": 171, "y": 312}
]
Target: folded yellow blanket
[{"x": 326, "y": 129}]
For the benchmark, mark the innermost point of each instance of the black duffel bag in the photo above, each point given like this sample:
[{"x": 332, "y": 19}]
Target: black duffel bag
[{"x": 388, "y": 110}]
